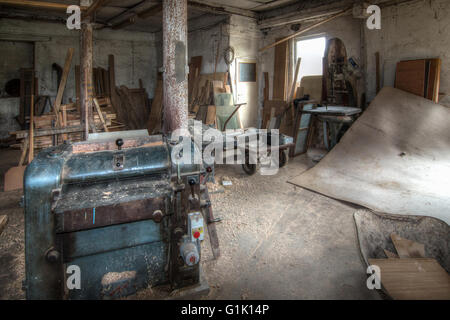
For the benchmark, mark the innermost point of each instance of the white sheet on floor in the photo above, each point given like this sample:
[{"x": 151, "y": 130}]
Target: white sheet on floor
[{"x": 394, "y": 159}]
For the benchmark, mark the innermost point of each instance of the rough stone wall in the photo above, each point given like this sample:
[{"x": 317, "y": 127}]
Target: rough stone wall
[
  {"x": 205, "y": 35},
  {"x": 12, "y": 55},
  {"x": 136, "y": 54},
  {"x": 413, "y": 30}
]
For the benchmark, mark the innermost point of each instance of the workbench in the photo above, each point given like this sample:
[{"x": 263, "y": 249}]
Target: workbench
[{"x": 334, "y": 119}]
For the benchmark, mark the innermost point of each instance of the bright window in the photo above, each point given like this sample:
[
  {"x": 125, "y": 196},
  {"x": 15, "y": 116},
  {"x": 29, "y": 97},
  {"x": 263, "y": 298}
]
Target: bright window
[{"x": 312, "y": 52}]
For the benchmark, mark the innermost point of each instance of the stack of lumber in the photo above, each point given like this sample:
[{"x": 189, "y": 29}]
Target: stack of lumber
[
  {"x": 201, "y": 100},
  {"x": 47, "y": 123},
  {"x": 279, "y": 112},
  {"x": 131, "y": 105},
  {"x": 135, "y": 106},
  {"x": 409, "y": 275}
]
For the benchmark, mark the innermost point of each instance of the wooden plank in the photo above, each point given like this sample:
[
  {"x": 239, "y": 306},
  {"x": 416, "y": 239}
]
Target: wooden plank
[
  {"x": 294, "y": 83},
  {"x": 410, "y": 76},
  {"x": 266, "y": 86},
  {"x": 280, "y": 71},
  {"x": 62, "y": 85},
  {"x": 38, "y": 4},
  {"x": 94, "y": 7},
  {"x": 31, "y": 147},
  {"x": 284, "y": 40},
  {"x": 14, "y": 178},
  {"x": 99, "y": 112},
  {"x": 78, "y": 87},
  {"x": 434, "y": 80},
  {"x": 3, "y": 222},
  {"x": 407, "y": 248},
  {"x": 413, "y": 279},
  {"x": 25, "y": 145},
  {"x": 211, "y": 116}
]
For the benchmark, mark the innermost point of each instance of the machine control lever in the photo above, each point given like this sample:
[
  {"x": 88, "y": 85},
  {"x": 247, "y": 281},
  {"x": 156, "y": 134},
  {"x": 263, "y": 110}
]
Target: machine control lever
[{"x": 119, "y": 143}]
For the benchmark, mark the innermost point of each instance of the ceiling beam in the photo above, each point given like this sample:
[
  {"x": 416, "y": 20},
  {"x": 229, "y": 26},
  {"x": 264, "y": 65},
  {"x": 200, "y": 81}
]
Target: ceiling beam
[
  {"x": 38, "y": 4},
  {"x": 93, "y": 8},
  {"x": 215, "y": 8},
  {"x": 145, "y": 14}
]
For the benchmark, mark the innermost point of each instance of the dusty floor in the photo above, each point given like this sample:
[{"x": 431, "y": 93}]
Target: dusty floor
[{"x": 277, "y": 241}]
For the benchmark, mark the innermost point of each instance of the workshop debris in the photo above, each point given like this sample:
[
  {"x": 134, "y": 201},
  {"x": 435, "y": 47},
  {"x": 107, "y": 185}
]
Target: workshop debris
[
  {"x": 413, "y": 279},
  {"x": 395, "y": 168},
  {"x": 410, "y": 275},
  {"x": 420, "y": 269},
  {"x": 227, "y": 183}
]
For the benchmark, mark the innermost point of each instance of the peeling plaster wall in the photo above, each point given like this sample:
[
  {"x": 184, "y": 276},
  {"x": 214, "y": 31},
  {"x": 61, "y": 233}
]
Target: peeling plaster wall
[
  {"x": 135, "y": 54},
  {"x": 414, "y": 30},
  {"x": 205, "y": 35},
  {"x": 239, "y": 32}
]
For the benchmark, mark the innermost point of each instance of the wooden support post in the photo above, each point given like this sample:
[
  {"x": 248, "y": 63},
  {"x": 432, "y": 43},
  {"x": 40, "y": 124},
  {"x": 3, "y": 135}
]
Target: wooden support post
[
  {"x": 31, "y": 151},
  {"x": 86, "y": 57}
]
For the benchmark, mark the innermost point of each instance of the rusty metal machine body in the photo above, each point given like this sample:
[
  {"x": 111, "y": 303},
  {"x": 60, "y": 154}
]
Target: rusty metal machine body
[{"x": 118, "y": 210}]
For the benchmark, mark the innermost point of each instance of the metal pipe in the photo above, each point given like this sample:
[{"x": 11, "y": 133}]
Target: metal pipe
[{"x": 175, "y": 65}]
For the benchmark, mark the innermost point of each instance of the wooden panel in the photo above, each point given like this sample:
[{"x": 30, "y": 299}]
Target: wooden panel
[
  {"x": 434, "y": 80},
  {"x": 278, "y": 105},
  {"x": 410, "y": 76},
  {"x": 280, "y": 71},
  {"x": 14, "y": 178},
  {"x": 414, "y": 279}
]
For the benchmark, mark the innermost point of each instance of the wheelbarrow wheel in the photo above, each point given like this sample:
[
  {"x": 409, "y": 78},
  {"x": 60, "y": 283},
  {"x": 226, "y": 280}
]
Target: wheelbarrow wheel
[{"x": 249, "y": 169}]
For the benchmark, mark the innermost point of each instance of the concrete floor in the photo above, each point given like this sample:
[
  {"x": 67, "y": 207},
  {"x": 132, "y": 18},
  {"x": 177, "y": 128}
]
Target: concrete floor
[{"x": 278, "y": 241}]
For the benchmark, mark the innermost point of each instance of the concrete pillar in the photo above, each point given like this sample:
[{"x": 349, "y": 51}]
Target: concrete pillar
[
  {"x": 86, "y": 72},
  {"x": 175, "y": 57}
]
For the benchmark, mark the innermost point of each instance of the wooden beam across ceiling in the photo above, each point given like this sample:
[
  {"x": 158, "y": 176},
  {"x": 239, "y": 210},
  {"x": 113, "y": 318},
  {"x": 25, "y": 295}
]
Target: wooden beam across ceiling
[
  {"x": 38, "y": 4},
  {"x": 93, "y": 8},
  {"x": 142, "y": 15},
  {"x": 215, "y": 8}
]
